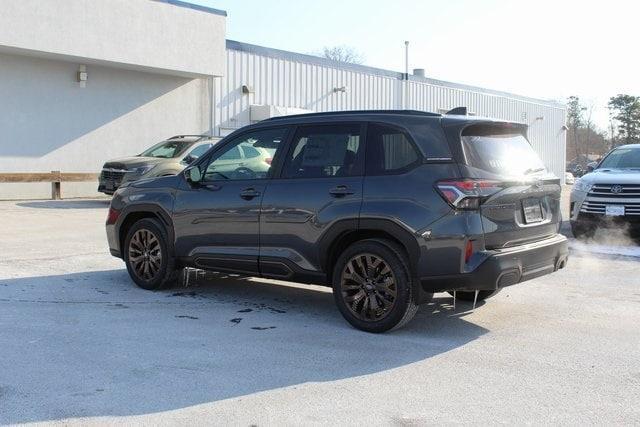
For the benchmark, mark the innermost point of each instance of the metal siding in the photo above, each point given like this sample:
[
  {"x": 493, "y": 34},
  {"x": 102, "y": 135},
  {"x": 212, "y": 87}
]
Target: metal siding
[{"x": 295, "y": 83}]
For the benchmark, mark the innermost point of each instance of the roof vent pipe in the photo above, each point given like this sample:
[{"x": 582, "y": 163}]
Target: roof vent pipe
[{"x": 418, "y": 72}]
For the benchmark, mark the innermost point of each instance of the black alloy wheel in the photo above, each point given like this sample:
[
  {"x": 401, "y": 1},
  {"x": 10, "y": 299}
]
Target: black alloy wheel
[
  {"x": 148, "y": 256},
  {"x": 368, "y": 287},
  {"x": 373, "y": 285},
  {"x": 145, "y": 254}
]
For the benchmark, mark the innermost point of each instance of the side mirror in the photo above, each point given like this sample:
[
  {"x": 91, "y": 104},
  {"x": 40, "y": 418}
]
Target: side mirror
[
  {"x": 189, "y": 159},
  {"x": 193, "y": 174},
  {"x": 590, "y": 168}
]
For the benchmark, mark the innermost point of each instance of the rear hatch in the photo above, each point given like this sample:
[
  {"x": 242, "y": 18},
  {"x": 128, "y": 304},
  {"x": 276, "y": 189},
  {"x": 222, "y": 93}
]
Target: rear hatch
[{"x": 520, "y": 199}]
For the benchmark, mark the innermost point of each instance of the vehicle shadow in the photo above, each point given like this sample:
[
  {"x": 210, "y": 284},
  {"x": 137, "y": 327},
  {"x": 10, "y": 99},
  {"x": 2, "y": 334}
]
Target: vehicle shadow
[
  {"x": 90, "y": 344},
  {"x": 67, "y": 204}
]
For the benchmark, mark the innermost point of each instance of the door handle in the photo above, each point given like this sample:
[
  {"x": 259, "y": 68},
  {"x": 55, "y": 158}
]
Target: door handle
[
  {"x": 249, "y": 193},
  {"x": 340, "y": 191}
]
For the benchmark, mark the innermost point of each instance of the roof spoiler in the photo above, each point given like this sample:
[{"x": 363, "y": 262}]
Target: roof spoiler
[{"x": 458, "y": 111}]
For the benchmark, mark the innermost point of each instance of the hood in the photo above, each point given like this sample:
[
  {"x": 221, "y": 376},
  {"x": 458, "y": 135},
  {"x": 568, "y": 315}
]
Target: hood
[
  {"x": 157, "y": 182},
  {"x": 134, "y": 162},
  {"x": 612, "y": 176}
]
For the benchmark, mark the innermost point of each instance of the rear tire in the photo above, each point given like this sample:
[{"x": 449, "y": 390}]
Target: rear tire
[
  {"x": 147, "y": 255},
  {"x": 372, "y": 286},
  {"x": 470, "y": 295}
]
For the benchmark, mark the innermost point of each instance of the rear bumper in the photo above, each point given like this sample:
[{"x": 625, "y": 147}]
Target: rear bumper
[{"x": 506, "y": 267}]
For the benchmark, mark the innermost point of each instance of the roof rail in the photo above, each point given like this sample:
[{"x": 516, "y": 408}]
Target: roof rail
[
  {"x": 357, "y": 112},
  {"x": 188, "y": 136}
]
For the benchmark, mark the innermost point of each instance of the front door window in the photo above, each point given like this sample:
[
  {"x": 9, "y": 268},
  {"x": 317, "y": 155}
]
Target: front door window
[{"x": 247, "y": 157}]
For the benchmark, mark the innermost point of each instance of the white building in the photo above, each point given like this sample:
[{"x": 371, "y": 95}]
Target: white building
[{"x": 83, "y": 81}]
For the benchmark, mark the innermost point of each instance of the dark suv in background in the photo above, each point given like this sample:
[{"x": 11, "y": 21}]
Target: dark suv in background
[{"x": 387, "y": 207}]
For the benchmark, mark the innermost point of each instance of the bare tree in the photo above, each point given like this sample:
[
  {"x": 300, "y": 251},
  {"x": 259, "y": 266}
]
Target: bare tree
[{"x": 342, "y": 54}]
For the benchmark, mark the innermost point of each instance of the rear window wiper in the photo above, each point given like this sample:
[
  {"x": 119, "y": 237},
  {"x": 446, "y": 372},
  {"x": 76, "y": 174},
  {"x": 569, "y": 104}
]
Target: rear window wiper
[{"x": 533, "y": 170}]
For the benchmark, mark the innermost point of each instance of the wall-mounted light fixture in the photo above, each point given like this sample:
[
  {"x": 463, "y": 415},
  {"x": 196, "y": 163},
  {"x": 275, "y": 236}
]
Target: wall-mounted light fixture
[
  {"x": 246, "y": 89},
  {"x": 342, "y": 89},
  {"x": 82, "y": 75}
]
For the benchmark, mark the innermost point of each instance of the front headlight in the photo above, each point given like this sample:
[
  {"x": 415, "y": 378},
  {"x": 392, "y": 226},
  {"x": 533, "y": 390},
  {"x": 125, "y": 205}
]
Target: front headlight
[
  {"x": 581, "y": 185},
  {"x": 142, "y": 170}
]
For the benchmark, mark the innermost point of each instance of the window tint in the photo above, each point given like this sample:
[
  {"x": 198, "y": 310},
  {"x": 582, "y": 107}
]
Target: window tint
[
  {"x": 390, "y": 150},
  {"x": 324, "y": 151},
  {"x": 200, "y": 150},
  {"x": 229, "y": 164}
]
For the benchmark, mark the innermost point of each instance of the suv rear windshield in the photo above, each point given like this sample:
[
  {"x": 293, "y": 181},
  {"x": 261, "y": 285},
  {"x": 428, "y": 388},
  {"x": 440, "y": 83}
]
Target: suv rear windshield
[
  {"x": 499, "y": 150},
  {"x": 166, "y": 149},
  {"x": 622, "y": 158}
]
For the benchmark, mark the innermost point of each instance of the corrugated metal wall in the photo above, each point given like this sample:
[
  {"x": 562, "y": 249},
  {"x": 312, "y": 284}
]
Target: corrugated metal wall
[{"x": 292, "y": 80}]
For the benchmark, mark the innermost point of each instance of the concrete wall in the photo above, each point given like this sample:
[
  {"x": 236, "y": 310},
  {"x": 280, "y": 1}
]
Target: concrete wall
[
  {"x": 142, "y": 34},
  {"x": 48, "y": 122}
]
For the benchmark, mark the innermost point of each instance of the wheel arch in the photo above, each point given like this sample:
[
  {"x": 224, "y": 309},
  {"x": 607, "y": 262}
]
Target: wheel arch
[
  {"x": 132, "y": 214},
  {"x": 369, "y": 229}
]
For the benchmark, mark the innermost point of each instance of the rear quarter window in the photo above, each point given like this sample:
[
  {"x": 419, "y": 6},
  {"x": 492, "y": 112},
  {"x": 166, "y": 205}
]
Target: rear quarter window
[{"x": 389, "y": 150}]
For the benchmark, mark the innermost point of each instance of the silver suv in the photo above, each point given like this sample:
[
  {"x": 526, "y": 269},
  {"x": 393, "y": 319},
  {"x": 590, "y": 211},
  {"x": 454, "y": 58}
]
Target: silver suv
[
  {"x": 610, "y": 195},
  {"x": 166, "y": 158}
]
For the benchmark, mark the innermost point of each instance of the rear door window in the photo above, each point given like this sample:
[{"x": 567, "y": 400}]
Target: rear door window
[
  {"x": 325, "y": 151},
  {"x": 500, "y": 151}
]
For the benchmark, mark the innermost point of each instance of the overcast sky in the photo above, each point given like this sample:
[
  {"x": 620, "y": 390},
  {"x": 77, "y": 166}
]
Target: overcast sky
[{"x": 544, "y": 49}]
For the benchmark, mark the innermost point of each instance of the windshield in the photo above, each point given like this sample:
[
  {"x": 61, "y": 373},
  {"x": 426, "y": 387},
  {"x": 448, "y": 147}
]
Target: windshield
[
  {"x": 622, "y": 158},
  {"x": 166, "y": 149},
  {"x": 500, "y": 153}
]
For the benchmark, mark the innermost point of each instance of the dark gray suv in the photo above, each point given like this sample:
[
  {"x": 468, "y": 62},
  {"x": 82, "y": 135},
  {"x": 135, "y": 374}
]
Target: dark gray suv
[{"x": 387, "y": 207}]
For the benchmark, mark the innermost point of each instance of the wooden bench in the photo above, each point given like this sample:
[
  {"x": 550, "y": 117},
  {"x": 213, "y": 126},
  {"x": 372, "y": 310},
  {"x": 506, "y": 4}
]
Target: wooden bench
[{"x": 56, "y": 178}]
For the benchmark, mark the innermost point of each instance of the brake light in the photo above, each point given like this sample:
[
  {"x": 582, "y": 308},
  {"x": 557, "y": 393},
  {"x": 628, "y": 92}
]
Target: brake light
[
  {"x": 268, "y": 160},
  {"x": 467, "y": 193},
  {"x": 112, "y": 216}
]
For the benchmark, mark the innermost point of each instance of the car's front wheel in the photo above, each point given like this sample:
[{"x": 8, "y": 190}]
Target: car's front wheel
[
  {"x": 146, "y": 254},
  {"x": 372, "y": 286}
]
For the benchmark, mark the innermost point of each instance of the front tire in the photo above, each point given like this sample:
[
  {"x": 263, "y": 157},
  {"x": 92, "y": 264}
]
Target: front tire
[
  {"x": 372, "y": 286},
  {"x": 149, "y": 261}
]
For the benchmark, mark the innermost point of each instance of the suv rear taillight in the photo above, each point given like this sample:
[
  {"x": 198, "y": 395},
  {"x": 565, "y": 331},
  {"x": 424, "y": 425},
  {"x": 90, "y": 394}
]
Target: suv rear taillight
[
  {"x": 467, "y": 193},
  {"x": 112, "y": 216}
]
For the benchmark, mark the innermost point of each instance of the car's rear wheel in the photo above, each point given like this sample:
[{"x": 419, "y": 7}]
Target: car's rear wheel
[
  {"x": 372, "y": 286},
  {"x": 146, "y": 254},
  {"x": 471, "y": 295}
]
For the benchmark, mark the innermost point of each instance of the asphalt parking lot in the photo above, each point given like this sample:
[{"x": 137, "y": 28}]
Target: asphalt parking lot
[{"x": 80, "y": 344}]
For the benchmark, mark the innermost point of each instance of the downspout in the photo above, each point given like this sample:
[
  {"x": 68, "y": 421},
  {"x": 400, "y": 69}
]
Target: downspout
[
  {"x": 211, "y": 103},
  {"x": 405, "y": 95}
]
